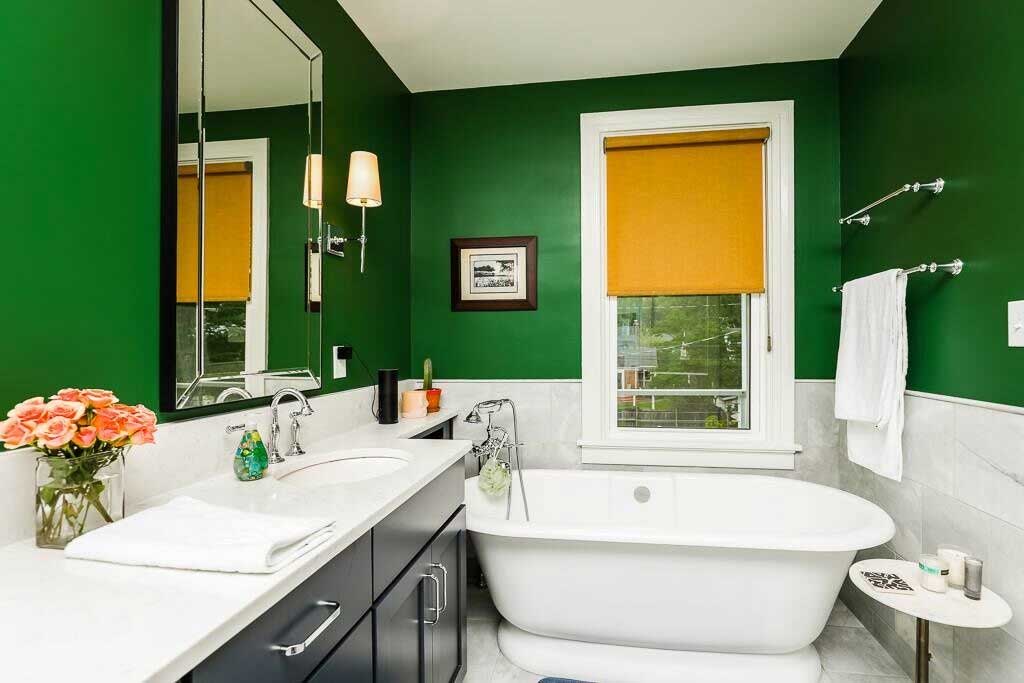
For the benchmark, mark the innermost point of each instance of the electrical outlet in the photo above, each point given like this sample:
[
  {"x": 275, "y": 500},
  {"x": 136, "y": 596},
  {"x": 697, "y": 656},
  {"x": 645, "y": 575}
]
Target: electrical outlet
[
  {"x": 340, "y": 363},
  {"x": 1015, "y": 323}
]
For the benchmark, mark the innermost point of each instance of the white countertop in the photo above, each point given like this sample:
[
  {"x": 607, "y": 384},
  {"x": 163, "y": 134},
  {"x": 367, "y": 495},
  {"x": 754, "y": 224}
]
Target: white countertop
[
  {"x": 950, "y": 608},
  {"x": 82, "y": 621}
]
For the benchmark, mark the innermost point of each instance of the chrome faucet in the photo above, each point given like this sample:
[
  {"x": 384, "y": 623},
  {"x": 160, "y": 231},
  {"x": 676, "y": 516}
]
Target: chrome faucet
[
  {"x": 496, "y": 440},
  {"x": 274, "y": 456}
]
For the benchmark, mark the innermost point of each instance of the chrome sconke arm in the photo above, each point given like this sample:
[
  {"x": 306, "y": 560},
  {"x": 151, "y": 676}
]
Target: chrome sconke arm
[{"x": 335, "y": 246}]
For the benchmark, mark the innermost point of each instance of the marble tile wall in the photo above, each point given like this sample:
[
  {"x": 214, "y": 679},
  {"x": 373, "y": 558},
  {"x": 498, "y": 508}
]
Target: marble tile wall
[
  {"x": 186, "y": 452},
  {"x": 964, "y": 484},
  {"x": 550, "y": 423}
]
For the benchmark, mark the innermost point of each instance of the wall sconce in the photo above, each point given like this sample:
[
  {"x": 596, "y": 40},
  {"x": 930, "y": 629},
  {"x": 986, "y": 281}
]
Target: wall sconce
[{"x": 363, "y": 191}]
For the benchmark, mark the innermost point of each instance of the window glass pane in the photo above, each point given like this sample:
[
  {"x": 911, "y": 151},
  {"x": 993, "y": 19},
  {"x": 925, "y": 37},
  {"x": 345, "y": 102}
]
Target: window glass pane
[
  {"x": 224, "y": 349},
  {"x": 682, "y": 362}
]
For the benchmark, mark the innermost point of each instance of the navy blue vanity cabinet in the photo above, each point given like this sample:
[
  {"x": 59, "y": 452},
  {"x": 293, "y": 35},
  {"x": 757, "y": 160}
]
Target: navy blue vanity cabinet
[
  {"x": 313, "y": 617},
  {"x": 390, "y": 608},
  {"x": 352, "y": 660},
  {"x": 420, "y": 620}
]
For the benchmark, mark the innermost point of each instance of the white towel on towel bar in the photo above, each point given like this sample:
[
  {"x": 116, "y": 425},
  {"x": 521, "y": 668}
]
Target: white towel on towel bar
[
  {"x": 871, "y": 374},
  {"x": 186, "y": 533}
]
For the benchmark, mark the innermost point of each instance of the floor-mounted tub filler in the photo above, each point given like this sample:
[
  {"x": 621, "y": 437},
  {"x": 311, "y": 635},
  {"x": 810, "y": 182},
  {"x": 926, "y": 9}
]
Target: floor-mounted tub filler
[{"x": 624, "y": 577}]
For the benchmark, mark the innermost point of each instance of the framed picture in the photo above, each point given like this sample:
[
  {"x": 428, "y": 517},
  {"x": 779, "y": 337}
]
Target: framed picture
[{"x": 494, "y": 274}]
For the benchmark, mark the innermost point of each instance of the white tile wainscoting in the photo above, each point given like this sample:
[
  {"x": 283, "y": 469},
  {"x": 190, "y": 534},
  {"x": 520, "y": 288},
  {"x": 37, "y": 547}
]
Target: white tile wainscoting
[
  {"x": 963, "y": 483},
  {"x": 185, "y": 452},
  {"x": 550, "y": 424}
]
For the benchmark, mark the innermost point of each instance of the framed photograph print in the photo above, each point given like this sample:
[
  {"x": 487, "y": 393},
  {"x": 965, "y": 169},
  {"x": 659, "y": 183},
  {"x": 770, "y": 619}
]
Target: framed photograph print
[{"x": 494, "y": 274}]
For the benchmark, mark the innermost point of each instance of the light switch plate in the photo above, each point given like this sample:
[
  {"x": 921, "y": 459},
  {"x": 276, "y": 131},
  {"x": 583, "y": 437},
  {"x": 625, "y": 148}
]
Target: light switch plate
[{"x": 1015, "y": 323}]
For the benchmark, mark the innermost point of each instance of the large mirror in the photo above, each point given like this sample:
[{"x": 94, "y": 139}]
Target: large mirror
[{"x": 246, "y": 233}]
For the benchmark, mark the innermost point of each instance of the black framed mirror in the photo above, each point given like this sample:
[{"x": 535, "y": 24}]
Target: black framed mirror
[{"x": 241, "y": 208}]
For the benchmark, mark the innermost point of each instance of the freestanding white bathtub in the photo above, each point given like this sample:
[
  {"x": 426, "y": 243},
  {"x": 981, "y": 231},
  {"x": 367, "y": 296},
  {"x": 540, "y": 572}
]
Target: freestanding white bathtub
[{"x": 645, "y": 577}]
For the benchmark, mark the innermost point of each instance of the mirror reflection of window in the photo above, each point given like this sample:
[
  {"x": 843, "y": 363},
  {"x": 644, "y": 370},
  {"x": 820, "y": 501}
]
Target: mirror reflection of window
[{"x": 242, "y": 227}]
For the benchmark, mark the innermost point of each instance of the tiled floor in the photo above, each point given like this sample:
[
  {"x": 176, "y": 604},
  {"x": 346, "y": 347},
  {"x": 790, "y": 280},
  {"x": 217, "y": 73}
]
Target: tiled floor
[{"x": 849, "y": 653}]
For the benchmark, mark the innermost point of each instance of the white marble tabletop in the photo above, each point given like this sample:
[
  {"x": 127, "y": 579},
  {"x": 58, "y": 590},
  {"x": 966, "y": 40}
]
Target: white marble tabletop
[
  {"x": 84, "y": 621},
  {"x": 950, "y": 608}
]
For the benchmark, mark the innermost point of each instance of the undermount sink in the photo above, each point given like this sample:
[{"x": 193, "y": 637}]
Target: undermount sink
[{"x": 345, "y": 467}]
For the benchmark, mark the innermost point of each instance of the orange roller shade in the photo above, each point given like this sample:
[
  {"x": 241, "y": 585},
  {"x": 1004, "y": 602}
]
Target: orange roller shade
[
  {"x": 685, "y": 213},
  {"x": 228, "y": 232}
]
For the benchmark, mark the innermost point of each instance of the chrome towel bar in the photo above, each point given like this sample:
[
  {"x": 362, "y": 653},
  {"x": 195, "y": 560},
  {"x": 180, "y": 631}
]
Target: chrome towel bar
[
  {"x": 954, "y": 268},
  {"x": 855, "y": 217}
]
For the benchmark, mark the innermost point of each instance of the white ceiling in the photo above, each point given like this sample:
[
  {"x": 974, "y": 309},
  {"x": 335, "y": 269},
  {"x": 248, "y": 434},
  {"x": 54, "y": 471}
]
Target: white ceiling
[{"x": 447, "y": 44}]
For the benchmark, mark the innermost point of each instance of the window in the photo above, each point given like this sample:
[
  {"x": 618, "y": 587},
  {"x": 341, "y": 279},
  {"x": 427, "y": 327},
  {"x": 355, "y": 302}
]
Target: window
[
  {"x": 688, "y": 286},
  {"x": 681, "y": 362}
]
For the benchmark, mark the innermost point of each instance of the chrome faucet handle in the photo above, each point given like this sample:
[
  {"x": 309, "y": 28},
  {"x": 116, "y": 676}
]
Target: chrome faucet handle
[
  {"x": 274, "y": 456},
  {"x": 296, "y": 448}
]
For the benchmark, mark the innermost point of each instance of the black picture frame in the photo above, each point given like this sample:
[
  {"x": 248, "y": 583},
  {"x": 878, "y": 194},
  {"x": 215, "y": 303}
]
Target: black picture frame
[{"x": 528, "y": 303}]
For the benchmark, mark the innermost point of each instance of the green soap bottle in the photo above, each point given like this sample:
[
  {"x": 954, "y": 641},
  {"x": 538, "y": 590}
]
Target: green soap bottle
[{"x": 251, "y": 455}]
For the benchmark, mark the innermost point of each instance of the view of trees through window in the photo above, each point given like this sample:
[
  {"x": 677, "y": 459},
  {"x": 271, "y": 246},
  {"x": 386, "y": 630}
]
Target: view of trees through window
[{"x": 681, "y": 362}]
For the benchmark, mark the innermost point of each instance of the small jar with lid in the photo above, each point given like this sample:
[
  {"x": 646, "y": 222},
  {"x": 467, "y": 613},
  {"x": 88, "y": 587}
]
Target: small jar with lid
[{"x": 934, "y": 573}]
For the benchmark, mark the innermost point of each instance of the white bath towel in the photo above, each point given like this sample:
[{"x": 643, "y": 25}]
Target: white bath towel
[
  {"x": 871, "y": 374},
  {"x": 189, "y": 534}
]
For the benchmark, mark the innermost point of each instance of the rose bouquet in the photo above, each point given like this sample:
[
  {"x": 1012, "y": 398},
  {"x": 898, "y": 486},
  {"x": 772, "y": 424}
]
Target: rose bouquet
[{"x": 82, "y": 435}]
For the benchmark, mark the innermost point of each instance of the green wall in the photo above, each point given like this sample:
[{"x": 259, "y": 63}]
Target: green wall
[
  {"x": 506, "y": 161},
  {"x": 80, "y": 190},
  {"x": 933, "y": 89}
]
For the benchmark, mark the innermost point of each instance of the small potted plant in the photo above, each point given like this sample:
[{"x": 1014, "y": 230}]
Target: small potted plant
[
  {"x": 82, "y": 436},
  {"x": 433, "y": 395}
]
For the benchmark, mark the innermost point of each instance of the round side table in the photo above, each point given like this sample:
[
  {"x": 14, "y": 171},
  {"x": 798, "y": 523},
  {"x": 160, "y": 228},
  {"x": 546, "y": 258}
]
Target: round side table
[{"x": 950, "y": 608}]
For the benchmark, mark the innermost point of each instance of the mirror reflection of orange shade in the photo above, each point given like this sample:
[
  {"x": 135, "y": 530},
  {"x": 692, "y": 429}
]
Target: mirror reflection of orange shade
[{"x": 228, "y": 232}]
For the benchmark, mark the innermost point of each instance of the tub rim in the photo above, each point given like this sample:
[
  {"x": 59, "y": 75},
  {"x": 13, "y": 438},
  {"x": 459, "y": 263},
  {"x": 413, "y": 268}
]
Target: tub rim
[{"x": 879, "y": 530}]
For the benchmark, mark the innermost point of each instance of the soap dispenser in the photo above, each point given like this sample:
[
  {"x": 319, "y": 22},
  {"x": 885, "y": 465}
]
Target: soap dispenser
[{"x": 251, "y": 455}]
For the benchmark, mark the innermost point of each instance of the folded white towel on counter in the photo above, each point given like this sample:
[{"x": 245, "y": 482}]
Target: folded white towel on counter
[
  {"x": 871, "y": 373},
  {"x": 186, "y": 533}
]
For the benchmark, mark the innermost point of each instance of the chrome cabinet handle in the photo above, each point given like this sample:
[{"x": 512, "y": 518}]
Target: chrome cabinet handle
[
  {"x": 437, "y": 600},
  {"x": 299, "y": 648},
  {"x": 444, "y": 574}
]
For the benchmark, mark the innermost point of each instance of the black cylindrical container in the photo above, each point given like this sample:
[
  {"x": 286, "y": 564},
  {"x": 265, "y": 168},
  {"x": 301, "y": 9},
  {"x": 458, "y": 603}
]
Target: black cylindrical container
[{"x": 387, "y": 391}]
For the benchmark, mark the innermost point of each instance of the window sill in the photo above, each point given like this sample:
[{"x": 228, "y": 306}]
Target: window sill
[{"x": 745, "y": 456}]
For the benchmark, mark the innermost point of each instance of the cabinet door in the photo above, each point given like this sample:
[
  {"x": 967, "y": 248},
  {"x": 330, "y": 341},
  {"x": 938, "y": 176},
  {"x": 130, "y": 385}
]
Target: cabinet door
[
  {"x": 448, "y": 635},
  {"x": 402, "y": 644},
  {"x": 352, "y": 660}
]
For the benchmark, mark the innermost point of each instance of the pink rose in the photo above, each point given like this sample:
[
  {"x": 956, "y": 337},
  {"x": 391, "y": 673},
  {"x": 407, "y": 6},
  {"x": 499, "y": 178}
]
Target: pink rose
[
  {"x": 68, "y": 395},
  {"x": 97, "y": 398},
  {"x": 85, "y": 437},
  {"x": 55, "y": 433},
  {"x": 111, "y": 424},
  {"x": 32, "y": 411},
  {"x": 15, "y": 433},
  {"x": 72, "y": 410},
  {"x": 144, "y": 435}
]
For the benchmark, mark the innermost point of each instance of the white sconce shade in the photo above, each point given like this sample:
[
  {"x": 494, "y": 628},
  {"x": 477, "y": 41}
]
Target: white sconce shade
[
  {"x": 313, "y": 186},
  {"x": 363, "y": 180}
]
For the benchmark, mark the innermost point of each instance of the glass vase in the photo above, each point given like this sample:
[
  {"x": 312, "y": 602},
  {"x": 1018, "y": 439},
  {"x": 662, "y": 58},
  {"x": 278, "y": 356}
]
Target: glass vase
[{"x": 77, "y": 494}]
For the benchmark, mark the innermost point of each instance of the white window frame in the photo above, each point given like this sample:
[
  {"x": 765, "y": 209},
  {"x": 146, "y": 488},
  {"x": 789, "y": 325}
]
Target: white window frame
[{"x": 769, "y": 442}]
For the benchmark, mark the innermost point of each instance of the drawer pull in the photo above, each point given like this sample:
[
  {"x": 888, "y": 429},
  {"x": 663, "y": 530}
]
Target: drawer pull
[
  {"x": 437, "y": 600},
  {"x": 444, "y": 574},
  {"x": 299, "y": 648}
]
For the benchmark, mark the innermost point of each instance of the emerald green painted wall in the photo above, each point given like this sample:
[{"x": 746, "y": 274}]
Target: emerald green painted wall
[
  {"x": 932, "y": 89},
  {"x": 506, "y": 161},
  {"x": 80, "y": 190}
]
